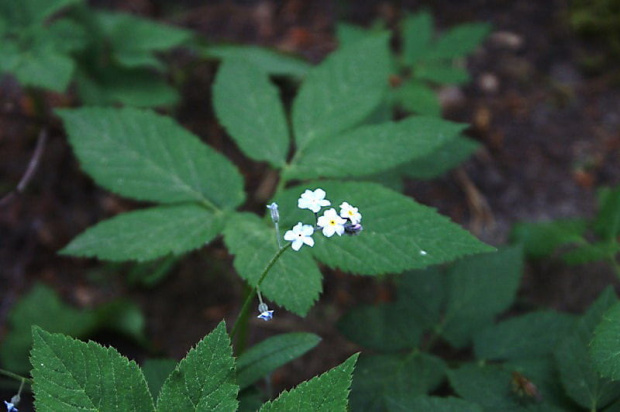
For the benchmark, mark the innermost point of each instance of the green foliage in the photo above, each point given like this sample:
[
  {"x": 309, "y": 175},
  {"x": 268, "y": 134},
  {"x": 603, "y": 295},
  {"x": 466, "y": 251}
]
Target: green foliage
[
  {"x": 327, "y": 392},
  {"x": 270, "y": 354},
  {"x": 71, "y": 374},
  {"x": 249, "y": 107},
  {"x": 577, "y": 241},
  {"x": 604, "y": 347},
  {"x": 269, "y": 61},
  {"x": 440, "y": 161},
  {"x": 41, "y": 306},
  {"x": 156, "y": 371}
]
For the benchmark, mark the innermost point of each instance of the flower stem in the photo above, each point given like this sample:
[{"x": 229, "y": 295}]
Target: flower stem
[
  {"x": 242, "y": 319},
  {"x": 15, "y": 376}
]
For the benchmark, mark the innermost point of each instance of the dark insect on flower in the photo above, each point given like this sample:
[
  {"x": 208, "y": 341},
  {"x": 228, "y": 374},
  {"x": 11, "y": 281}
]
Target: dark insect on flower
[
  {"x": 353, "y": 229},
  {"x": 524, "y": 387}
]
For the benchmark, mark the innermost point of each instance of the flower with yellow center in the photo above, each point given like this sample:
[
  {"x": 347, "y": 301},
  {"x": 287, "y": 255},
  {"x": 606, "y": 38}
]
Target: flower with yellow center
[{"x": 331, "y": 223}]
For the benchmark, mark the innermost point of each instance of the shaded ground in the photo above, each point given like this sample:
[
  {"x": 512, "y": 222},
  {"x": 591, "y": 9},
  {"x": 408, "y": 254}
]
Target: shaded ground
[{"x": 551, "y": 136}]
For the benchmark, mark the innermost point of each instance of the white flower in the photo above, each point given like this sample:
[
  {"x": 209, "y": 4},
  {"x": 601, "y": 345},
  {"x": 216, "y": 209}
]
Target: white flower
[
  {"x": 299, "y": 235},
  {"x": 313, "y": 200},
  {"x": 349, "y": 212},
  {"x": 331, "y": 223}
]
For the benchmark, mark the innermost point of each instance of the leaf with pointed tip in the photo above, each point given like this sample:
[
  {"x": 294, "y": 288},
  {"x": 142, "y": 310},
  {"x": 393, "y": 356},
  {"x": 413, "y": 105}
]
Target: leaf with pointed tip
[
  {"x": 418, "y": 30},
  {"x": 148, "y": 234},
  {"x": 372, "y": 149},
  {"x": 73, "y": 375},
  {"x": 327, "y": 392},
  {"x": 399, "y": 234},
  {"x": 459, "y": 41},
  {"x": 268, "y": 355},
  {"x": 145, "y": 156},
  {"x": 254, "y": 245},
  {"x": 439, "y": 162},
  {"x": 205, "y": 379},
  {"x": 342, "y": 91},
  {"x": 248, "y": 105}
]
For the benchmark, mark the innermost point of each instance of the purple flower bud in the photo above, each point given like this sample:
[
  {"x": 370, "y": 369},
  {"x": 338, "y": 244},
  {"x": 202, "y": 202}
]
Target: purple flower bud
[{"x": 353, "y": 229}]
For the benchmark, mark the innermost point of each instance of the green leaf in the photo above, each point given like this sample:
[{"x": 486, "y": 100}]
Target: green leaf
[
  {"x": 442, "y": 74},
  {"x": 156, "y": 371},
  {"x": 594, "y": 252},
  {"x": 385, "y": 379},
  {"x": 431, "y": 403},
  {"x": 399, "y": 234},
  {"x": 542, "y": 239},
  {"x": 605, "y": 347},
  {"x": 422, "y": 295},
  {"x": 26, "y": 13},
  {"x": 134, "y": 39},
  {"x": 254, "y": 245},
  {"x": 248, "y": 105},
  {"x": 417, "y": 97},
  {"x": 134, "y": 87},
  {"x": 342, "y": 91},
  {"x": 480, "y": 288},
  {"x": 459, "y": 41},
  {"x": 384, "y": 328},
  {"x": 447, "y": 157},
  {"x": 148, "y": 234},
  {"x": 268, "y": 355},
  {"x": 42, "y": 66},
  {"x": 578, "y": 375},
  {"x": 417, "y": 35},
  {"x": 607, "y": 222},
  {"x": 328, "y": 392},
  {"x": 146, "y": 156},
  {"x": 73, "y": 375},
  {"x": 205, "y": 379},
  {"x": 41, "y": 306},
  {"x": 372, "y": 149},
  {"x": 530, "y": 335},
  {"x": 348, "y": 34},
  {"x": 124, "y": 317},
  {"x": 270, "y": 61}
]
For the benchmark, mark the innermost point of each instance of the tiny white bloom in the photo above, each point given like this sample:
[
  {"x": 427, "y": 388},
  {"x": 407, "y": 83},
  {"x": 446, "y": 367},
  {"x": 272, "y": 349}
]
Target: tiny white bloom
[
  {"x": 313, "y": 200},
  {"x": 349, "y": 212},
  {"x": 275, "y": 215},
  {"x": 266, "y": 315},
  {"x": 331, "y": 223},
  {"x": 299, "y": 235}
]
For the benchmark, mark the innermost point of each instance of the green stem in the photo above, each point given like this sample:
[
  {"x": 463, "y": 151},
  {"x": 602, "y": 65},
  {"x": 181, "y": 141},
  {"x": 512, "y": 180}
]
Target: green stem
[
  {"x": 15, "y": 376},
  {"x": 243, "y": 314}
]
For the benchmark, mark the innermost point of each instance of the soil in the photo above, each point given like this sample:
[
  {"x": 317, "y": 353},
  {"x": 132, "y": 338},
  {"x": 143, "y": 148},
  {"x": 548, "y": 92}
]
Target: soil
[{"x": 550, "y": 134}]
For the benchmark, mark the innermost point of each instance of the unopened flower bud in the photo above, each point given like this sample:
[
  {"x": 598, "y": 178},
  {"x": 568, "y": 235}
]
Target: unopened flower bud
[{"x": 275, "y": 215}]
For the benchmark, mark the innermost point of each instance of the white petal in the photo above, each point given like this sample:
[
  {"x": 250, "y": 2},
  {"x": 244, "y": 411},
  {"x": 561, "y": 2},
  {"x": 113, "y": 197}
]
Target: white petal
[
  {"x": 297, "y": 244},
  {"x": 309, "y": 241}
]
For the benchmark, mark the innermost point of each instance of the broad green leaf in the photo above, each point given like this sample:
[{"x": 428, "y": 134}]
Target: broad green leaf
[
  {"x": 73, "y": 375},
  {"x": 384, "y": 379},
  {"x": 595, "y": 252},
  {"x": 248, "y": 105},
  {"x": 341, "y": 91},
  {"x": 578, "y": 374},
  {"x": 130, "y": 36},
  {"x": 459, "y": 41},
  {"x": 145, "y": 156},
  {"x": 417, "y": 33},
  {"x": 156, "y": 371},
  {"x": 348, "y": 34},
  {"x": 270, "y": 61},
  {"x": 605, "y": 347},
  {"x": 542, "y": 239},
  {"x": 205, "y": 379},
  {"x": 254, "y": 245},
  {"x": 384, "y": 328},
  {"x": 67, "y": 36},
  {"x": 488, "y": 386},
  {"x": 148, "y": 234},
  {"x": 530, "y": 335},
  {"x": 268, "y": 355},
  {"x": 422, "y": 295},
  {"x": 419, "y": 98},
  {"x": 24, "y": 13},
  {"x": 42, "y": 66},
  {"x": 399, "y": 234},
  {"x": 327, "y": 392},
  {"x": 372, "y": 149},
  {"x": 41, "y": 306},
  {"x": 442, "y": 74},
  {"x": 607, "y": 223},
  {"x": 133, "y": 87},
  {"x": 432, "y": 403},
  {"x": 447, "y": 157},
  {"x": 480, "y": 288}
]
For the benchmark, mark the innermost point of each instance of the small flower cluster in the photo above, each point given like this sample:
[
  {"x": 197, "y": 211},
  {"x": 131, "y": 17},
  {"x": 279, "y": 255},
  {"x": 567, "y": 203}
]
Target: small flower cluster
[{"x": 348, "y": 221}]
